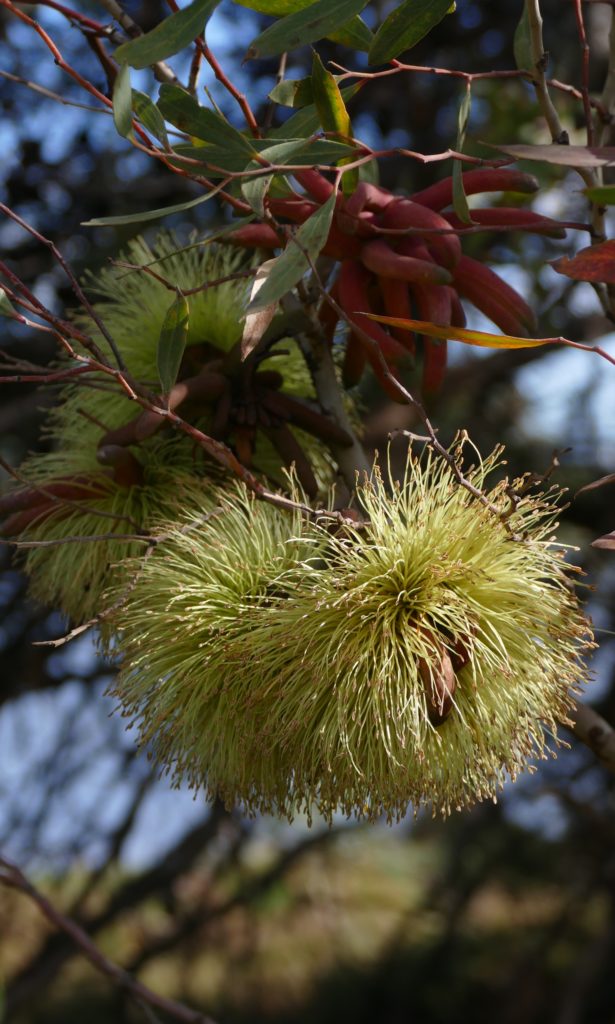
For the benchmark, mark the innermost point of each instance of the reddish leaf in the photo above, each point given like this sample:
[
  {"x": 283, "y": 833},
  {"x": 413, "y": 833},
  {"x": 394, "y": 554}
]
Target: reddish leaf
[
  {"x": 564, "y": 156},
  {"x": 595, "y": 263},
  {"x": 607, "y": 542},
  {"x": 600, "y": 482}
]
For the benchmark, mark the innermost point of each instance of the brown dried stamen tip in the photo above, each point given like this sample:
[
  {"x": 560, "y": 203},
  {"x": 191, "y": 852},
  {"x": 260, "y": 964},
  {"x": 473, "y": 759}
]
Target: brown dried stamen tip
[{"x": 439, "y": 680}]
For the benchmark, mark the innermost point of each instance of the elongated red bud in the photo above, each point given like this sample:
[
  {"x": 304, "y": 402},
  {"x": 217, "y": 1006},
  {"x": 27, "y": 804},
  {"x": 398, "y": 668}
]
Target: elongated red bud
[
  {"x": 433, "y": 306},
  {"x": 396, "y": 298},
  {"x": 366, "y": 197},
  {"x": 296, "y": 210},
  {"x": 255, "y": 236},
  {"x": 80, "y": 487},
  {"x": 384, "y": 261},
  {"x": 494, "y": 297},
  {"x": 494, "y": 179},
  {"x": 506, "y": 218},
  {"x": 315, "y": 184},
  {"x": 403, "y": 213}
]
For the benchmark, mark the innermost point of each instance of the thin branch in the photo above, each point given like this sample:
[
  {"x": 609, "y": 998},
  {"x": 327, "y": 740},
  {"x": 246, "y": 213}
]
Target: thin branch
[
  {"x": 596, "y": 733},
  {"x": 12, "y": 877}
]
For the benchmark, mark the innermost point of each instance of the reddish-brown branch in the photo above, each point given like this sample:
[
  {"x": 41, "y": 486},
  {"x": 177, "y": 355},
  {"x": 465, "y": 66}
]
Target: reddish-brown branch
[{"x": 12, "y": 877}]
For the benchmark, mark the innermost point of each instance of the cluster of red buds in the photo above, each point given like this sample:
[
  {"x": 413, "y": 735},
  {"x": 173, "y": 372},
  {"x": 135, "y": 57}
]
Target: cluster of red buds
[{"x": 402, "y": 257}]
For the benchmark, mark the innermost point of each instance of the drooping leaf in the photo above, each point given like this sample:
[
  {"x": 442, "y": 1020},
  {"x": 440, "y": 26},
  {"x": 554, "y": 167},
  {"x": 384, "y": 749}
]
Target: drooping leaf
[
  {"x": 290, "y": 266},
  {"x": 405, "y": 26},
  {"x": 355, "y": 34},
  {"x": 564, "y": 156},
  {"x": 293, "y": 92},
  {"x": 595, "y": 263},
  {"x": 257, "y": 322},
  {"x": 332, "y": 112},
  {"x": 172, "y": 341},
  {"x": 169, "y": 37},
  {"x": 149, "y": 115},
  {"x": 305, "y": 152},
  {"x": 522, "y": 42},
  {"x": 138, "y": 218},
  {"x": 470, "y": 337},
  {"x": 328, "y": 99},
  {"x": 182, "y": 110},
  {"x": 306, "y": 121},
  {"x": 303, "y": 27},
  {"x": 603, "y": 195},
  {"x": 460, "y": 202},
  {"x": 122, "y": 102}
]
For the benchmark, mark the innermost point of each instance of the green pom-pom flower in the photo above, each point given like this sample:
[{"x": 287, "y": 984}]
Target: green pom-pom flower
[
  {"x": 418, "y": 658},
  {"x": 167, "y": 473}
]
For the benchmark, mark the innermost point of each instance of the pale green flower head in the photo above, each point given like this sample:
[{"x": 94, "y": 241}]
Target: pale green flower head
[
  {"x": 422, "y": 658},
  {"x": 188, "y": 612},
  {"x": 133, "y": 305}
]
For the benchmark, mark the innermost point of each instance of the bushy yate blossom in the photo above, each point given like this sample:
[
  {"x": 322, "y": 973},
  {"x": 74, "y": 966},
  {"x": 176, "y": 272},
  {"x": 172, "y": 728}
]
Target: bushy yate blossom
[{"x": 288, "y": 666}]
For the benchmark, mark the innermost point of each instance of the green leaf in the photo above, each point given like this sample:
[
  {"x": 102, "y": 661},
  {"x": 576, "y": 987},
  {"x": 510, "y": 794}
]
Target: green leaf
[
  {"x": 122, "y": 102},
  {"x": 169, "y": 37},
  {"x": 405, "y": 26},
  {"x": 291, "y": 265},
  {"x": 306, "y": 121},
  {"x": 182, "y": 110},
  {"x": 522, "y": 42},
  {"x": 172, "y": 341},
  {"x": 603, "y": 195},
  {"x": 332, "y": 112},
  {"x": 460, "y": 202},
  {"x": 328, "y": 99},
  {"x": 303, "y": 27},
  {"x": 137, "y": 218},
  {"x": 354, "y": 34},
  {"x": 6, "y": 307},
  {"x": 295, "y": 151},
  {"x": 149, "y": 115},
  {"x": 220, "y": 161},
  {"x": 293, "y": 92}
]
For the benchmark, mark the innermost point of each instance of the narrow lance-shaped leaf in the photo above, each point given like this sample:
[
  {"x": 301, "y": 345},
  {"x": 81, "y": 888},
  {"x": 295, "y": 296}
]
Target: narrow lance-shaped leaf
[
  {"x": 169, "y": 37},
  {"x": 122, "y": 102},
  {"x": 405, "y": 26},
  {"x": 149, "y": 115},
  {"x": 460, "y": 202},
  {"x": 469, "y": 337},
  {"x": 305, "y": 122},
  {"x": 355, "y": 34},
  {"x": 314, "y": 22},
  {"x": 257, "y": 322},
  {"x": 332, "y": 112},
  {"x": 564, "y": 156},
  {"x": 139, "y": 218},
  {"x": 182, "y": 110},
  {"x": 522, "y": 42},
  {"x": 291, "y": 265},
  {"x": 172, "y": 341}
]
